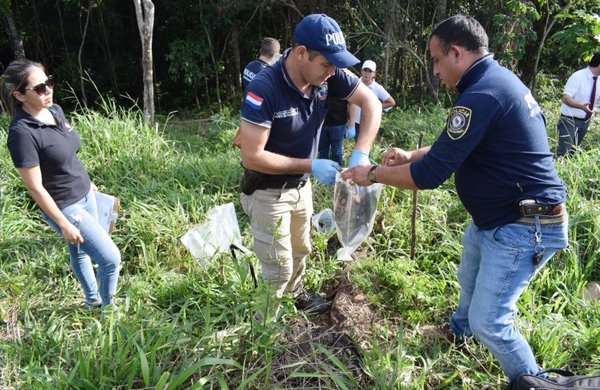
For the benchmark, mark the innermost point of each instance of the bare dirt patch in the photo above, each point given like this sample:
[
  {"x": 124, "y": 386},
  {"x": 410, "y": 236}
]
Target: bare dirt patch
[
  {"x": 314, "y": 355},
  {"x": 322, "y": 347}
]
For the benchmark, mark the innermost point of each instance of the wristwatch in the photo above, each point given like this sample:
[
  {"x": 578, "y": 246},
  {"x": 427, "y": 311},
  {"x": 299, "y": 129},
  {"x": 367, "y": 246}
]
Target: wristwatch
[{"x": 371, "y": 174}]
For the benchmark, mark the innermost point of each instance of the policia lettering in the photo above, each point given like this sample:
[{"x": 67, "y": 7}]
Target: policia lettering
[{"x": 459, "y": 120}]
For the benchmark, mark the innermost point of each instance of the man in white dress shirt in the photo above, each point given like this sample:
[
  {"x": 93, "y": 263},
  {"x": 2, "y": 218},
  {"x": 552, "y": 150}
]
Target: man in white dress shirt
[{"x": 579, "y": 98}]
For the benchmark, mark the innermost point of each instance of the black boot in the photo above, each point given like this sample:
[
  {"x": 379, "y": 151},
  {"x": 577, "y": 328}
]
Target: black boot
[{"x": 311, "y": 303}]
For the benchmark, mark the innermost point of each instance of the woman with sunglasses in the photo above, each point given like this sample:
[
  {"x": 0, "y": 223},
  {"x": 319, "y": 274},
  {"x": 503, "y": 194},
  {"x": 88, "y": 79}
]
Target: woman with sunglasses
[{"x": 43, "y": 147}]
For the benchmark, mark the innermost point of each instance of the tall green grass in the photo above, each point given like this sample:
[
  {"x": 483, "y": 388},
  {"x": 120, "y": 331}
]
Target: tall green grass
[{"x": 185, "y": 325}]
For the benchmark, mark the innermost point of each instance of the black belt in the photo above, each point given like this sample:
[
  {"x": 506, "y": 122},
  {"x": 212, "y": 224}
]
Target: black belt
[
  {"x": 285, "y": 185},
  {"x": 573, "y": 118},
  {"x": 532, "y": 209}
]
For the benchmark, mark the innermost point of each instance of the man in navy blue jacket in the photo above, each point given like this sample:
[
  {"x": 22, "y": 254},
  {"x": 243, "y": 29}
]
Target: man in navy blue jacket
[{"x": 495, "y": 143}]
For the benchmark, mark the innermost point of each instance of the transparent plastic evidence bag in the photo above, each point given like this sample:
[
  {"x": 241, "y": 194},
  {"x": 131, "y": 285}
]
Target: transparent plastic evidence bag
[{"x": 354, "y": 209}]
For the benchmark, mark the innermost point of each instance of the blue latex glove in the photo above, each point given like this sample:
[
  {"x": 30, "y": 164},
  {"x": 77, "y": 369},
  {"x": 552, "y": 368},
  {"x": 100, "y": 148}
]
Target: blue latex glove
[
  {"x": 324, "y": 170},
  {"x": 350, "y": 133},
  {"x": 358, "y": 158}
]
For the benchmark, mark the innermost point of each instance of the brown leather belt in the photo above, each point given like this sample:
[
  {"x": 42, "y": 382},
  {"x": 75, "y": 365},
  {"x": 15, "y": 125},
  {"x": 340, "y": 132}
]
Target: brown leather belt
[
  {"x": 555, "y": 214},
  {"x": 573, "y": 118},
  {"x": 558, "y": 209},
  {"x": 533, "y": 209}
]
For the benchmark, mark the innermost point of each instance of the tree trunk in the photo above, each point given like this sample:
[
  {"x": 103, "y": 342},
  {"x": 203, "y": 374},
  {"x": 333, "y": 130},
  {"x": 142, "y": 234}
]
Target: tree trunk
[
  {"x": 434, "y": 82},
  {"x": 234, "y": 44},
  {"x": 214, "y": 61},
  {"x": 144, "y": 12},
  {"x": 38, "y": 43},
  {"x": 15, "y": 39},
  {"x": 111, "y": 64},
  {"x": 547, "y": 27},
  {"x": 79, "y": 54},
  {"x": 62, "y": 27},
  {"x": 388, "y": 38}
]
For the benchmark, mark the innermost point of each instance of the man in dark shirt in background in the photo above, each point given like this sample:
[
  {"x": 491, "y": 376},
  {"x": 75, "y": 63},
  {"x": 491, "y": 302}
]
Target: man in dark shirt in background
[
  {"x": 338, "y": 121},
  {"x": 269, "y": 53}
]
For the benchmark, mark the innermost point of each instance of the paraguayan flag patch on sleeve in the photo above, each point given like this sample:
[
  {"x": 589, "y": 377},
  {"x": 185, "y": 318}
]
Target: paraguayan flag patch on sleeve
[
  {"x": 254, "y": 101},
  {"x": 458, "y": 122}
]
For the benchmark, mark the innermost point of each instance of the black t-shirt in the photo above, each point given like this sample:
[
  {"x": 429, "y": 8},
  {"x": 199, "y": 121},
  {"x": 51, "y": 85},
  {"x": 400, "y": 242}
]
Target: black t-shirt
[
  {"x": 54, "y": 149},
  {"x": 337, "y": 113}
]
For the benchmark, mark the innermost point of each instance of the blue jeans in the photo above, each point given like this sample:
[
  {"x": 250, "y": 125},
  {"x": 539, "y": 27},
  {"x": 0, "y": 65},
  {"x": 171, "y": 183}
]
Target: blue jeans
[
  {"x": 570, "y": 132},
  {"x": 97, "y": 246},
  {"x": 330, "y": 143},
  {"x": 496, "y": 266},
  {"x": 357, "y": 128}
]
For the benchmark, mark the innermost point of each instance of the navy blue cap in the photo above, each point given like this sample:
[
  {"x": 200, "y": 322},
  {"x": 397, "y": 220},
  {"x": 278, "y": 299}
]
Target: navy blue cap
[{"x": 321, "y": 33}]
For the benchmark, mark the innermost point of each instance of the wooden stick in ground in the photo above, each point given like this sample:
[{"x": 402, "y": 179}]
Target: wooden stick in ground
[{"x": 413, "y": 238}]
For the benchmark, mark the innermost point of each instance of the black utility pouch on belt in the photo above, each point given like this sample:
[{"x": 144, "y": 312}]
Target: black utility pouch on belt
[{"x": 250, "y": 181}]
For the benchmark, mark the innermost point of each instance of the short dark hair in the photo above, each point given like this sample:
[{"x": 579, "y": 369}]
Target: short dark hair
[
  {"x": 461, "y": 30},
  {"x": 595, "y": 61},
  {"x": 270, "y": 47}
]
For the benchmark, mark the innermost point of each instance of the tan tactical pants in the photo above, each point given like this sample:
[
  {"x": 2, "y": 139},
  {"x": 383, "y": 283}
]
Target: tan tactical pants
[{"x": 280, "y": 225}]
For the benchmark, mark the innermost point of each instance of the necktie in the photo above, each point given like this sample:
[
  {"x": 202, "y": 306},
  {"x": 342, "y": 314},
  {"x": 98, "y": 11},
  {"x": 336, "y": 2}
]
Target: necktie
[{"x": 592, "y": 98}]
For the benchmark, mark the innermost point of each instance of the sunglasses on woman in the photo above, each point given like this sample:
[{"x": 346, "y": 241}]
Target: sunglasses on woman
[{"x": 42, "y": 89}]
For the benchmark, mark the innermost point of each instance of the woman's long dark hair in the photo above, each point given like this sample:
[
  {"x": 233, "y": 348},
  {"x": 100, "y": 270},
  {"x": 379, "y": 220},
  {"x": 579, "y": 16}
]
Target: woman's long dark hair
[{"x": 15, "y": 79}]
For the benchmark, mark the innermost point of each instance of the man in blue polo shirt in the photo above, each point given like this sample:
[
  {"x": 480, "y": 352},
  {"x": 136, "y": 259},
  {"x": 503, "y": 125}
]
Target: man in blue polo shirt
[
  {"x": 269, "y": 53},
  {"x": 495, "y": 143},
  {"x": 282, "y": 113}
]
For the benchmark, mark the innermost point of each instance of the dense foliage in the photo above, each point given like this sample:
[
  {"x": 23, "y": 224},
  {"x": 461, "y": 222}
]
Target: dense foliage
[
  {"x": 185, "y": 324},
  {"x": 93, "y": 47}
]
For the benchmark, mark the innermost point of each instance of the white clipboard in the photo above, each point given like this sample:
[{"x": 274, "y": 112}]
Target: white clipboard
[{"x": 108, "y": 207}]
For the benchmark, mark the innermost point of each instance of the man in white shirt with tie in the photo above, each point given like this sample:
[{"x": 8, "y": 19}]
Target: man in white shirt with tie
[{"x": 579, "y": 97}]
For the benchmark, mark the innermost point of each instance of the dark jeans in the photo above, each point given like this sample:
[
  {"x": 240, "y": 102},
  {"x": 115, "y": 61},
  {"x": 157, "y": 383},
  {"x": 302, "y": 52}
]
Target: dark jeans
[
  {"x": 330, "y": 143},
  {"x": 571, "y": 131}
]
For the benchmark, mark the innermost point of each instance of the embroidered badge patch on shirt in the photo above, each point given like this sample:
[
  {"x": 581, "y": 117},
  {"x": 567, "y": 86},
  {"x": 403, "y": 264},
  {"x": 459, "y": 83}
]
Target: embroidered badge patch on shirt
[
  {"x": 458, "y": 122},
  {"x": 253, "y": 100},
  {"x": 322, "y": 92}
]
